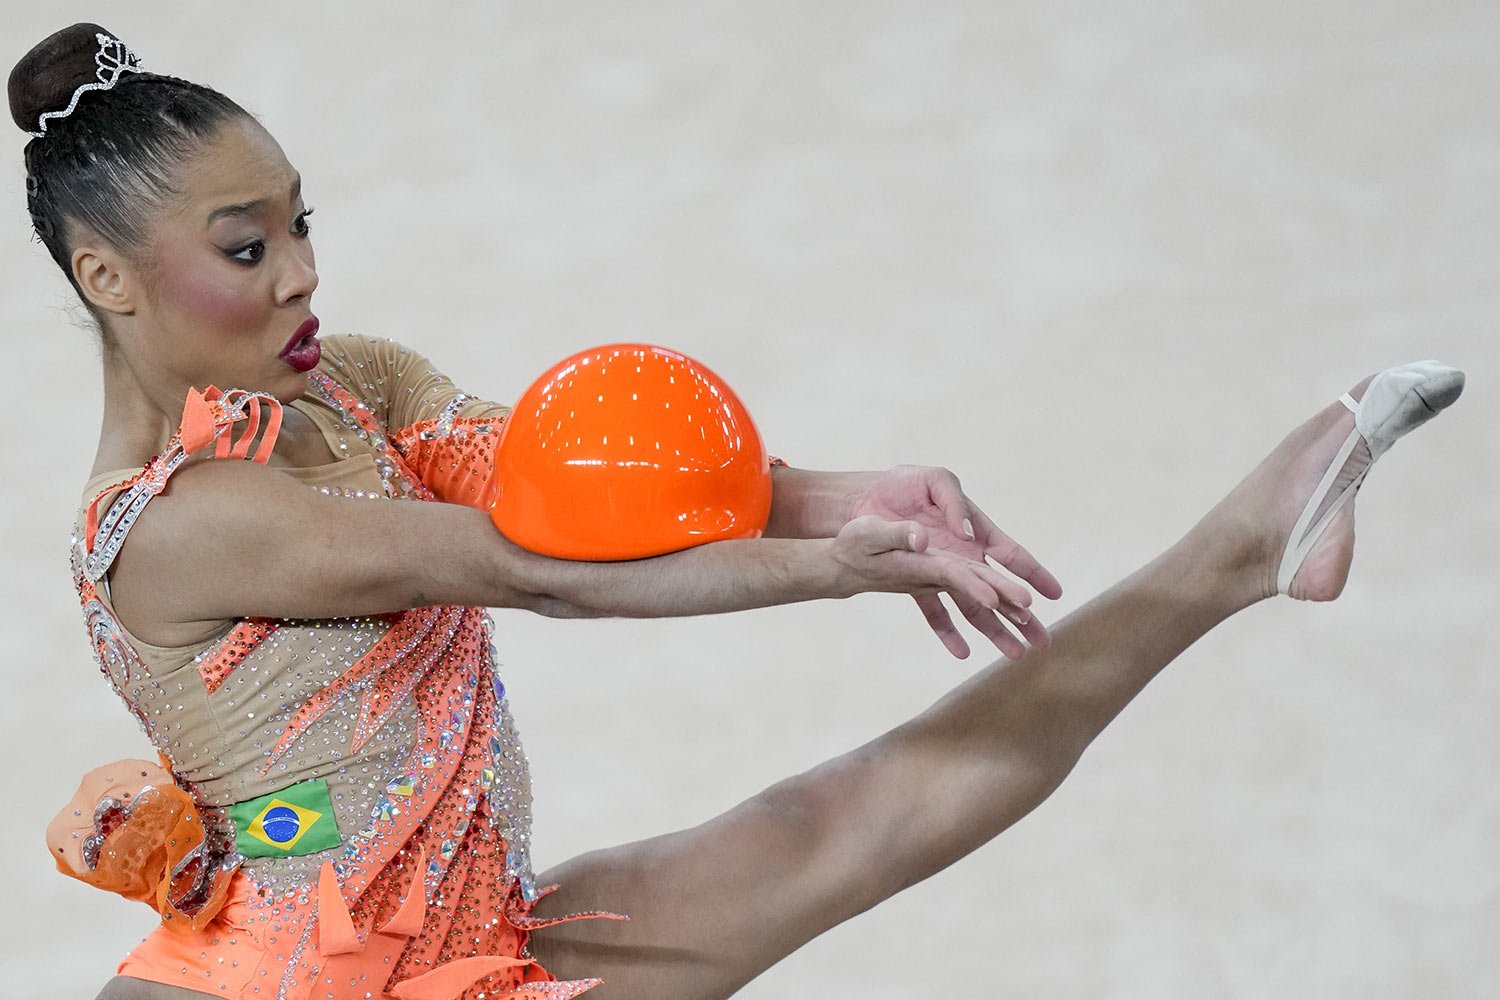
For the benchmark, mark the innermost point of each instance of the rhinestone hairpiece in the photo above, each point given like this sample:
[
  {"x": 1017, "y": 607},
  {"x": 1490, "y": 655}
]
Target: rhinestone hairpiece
[{"x": 113, "y": 60}]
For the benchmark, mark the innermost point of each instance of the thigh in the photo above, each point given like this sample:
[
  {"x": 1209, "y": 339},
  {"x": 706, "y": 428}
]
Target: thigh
[
  {"x": 702, "y": 921},
  {"x": 714, "y": 906}
]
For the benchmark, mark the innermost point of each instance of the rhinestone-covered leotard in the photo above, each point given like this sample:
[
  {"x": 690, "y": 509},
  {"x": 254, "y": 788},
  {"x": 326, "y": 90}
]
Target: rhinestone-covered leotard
[{"x": 403, "y": 715}]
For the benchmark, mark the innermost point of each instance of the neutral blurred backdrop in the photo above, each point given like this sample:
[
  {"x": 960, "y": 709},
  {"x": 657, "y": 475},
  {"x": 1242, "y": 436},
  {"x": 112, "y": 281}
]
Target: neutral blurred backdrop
[{"x": 1096, "y": 258}]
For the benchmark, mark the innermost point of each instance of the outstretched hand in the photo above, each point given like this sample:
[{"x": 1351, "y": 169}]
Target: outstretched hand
[{"x": 946, "y": 520}]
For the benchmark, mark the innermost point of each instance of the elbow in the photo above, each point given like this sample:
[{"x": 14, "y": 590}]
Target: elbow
[
  {"x": 553, "y": 607},
  {"x": 538, "y": 601},
  {"x": 516, "y": 578},
  {"x": 538, "y": 583}
]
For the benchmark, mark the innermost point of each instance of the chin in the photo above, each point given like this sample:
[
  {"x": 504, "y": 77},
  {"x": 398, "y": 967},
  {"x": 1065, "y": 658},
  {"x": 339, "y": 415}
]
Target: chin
[{"x": 291, "y": 386}]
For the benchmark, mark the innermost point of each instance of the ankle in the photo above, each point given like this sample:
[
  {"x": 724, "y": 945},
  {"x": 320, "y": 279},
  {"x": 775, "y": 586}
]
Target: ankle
[{"x": 1227, "y": 557}]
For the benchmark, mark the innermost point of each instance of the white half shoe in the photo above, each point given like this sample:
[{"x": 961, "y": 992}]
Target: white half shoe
[{"x": 1396, "y": 402}]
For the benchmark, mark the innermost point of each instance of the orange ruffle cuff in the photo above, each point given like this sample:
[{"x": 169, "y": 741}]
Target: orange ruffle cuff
[{"x": 130, "y": 830}]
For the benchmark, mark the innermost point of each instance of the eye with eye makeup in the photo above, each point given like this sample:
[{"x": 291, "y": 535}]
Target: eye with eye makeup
[{"x": 252, "y": 252}]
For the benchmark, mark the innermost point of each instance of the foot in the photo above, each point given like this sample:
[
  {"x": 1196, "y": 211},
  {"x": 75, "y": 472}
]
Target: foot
[
  {"x": 1265, "y": 507},
  {"x": 1324, "y": 572}
]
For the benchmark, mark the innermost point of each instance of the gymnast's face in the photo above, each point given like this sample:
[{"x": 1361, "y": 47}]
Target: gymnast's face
[{"x": 228, "y": 275}]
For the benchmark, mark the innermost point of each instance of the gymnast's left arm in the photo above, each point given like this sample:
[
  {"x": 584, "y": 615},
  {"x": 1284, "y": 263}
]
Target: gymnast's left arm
[{"x": 811, "y": 504}]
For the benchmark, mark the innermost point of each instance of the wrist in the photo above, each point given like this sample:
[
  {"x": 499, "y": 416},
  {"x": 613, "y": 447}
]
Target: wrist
[
  {"x": 829, "y": 501},
  {"x": 785, "y": 518},
  {"x": 811, "y": 504},
  {"x": 819, "y": 574}
]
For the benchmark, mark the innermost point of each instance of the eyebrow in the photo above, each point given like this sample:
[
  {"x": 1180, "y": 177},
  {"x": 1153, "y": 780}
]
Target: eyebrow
[{"x": 250, "y": 207}]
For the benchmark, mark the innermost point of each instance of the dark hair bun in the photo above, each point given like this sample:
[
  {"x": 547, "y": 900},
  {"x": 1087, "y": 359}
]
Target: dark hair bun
[{"x": 46, "y": 77}]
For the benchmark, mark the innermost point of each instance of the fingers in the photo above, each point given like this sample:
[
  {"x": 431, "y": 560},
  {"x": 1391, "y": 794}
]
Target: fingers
[
  {"x": 974, "y": 583},
  {"x": 942, "y": 624},
  {"x": 987, "y": 598},
  {"x": 986, "y": 621},
  {"x": 984, "y": 597},
  {"x": 949, "y": 496},
  {"x": 1009, "y": 590},
  {"x": 878, "y": 535},
  {"x": 1005, "y": 590},
  {"x": 978, "y": 582},
  {"x": 1009, "y": 553},
  {"x": 965, "y": 520},
  {"x": 991, "y": 596},
  {"x": 993, "y": 629},
  {"x": 1035, "y": 632}
]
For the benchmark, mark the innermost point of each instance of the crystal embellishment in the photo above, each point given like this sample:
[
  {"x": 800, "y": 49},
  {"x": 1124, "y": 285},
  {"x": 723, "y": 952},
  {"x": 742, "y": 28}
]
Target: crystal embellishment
[{"x": 113, "y": 60}]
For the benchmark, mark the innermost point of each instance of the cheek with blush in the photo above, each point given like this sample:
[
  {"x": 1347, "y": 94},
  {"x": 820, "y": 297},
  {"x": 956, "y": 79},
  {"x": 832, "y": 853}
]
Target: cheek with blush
[{"x": 208, "y": 299}]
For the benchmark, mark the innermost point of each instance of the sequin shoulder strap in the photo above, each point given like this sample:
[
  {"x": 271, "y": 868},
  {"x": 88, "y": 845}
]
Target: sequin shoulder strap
[{"x": 208, "y": 417}]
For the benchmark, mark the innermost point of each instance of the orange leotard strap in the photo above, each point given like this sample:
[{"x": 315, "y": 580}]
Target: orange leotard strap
[{"x": 202, "y": 422}]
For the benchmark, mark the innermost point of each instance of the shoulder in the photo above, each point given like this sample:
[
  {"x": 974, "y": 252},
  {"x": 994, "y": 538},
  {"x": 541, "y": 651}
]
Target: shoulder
[
  {"x": 373, "y": 369},
  {"x": 357, "y": 357},
  {"x": 184, "y": 541}
]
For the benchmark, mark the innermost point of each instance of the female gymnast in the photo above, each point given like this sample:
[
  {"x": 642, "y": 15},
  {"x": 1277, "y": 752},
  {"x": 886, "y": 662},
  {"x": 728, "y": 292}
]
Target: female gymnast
[{"x": 285, "y": 581}]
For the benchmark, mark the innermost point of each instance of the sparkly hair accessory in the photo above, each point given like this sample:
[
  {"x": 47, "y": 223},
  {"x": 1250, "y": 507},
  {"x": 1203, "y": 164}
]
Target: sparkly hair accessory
[{"x": 113, "y": 60}]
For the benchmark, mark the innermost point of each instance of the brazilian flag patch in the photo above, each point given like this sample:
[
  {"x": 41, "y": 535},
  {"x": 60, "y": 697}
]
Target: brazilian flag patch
[{"x": 296, "y": 820}]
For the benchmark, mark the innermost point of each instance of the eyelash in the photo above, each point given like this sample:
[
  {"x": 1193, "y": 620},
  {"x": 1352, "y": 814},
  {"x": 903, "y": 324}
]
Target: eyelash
[{"x": 260, "y": 245}]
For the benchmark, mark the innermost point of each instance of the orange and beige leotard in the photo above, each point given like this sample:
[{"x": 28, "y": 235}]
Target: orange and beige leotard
[{"x": 350, "y": 807}]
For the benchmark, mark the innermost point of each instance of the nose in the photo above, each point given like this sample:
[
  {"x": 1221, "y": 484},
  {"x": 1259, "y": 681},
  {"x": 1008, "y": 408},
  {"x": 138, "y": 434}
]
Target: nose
[{"x": 299, "y": 278}]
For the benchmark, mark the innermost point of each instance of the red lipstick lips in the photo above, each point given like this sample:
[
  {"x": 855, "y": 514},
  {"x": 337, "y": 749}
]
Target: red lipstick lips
[{"x": 303, "y": 351}]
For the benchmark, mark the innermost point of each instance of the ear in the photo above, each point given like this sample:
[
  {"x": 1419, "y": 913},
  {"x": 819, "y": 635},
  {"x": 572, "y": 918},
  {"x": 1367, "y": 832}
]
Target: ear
[{"x": 106, "y": 278}]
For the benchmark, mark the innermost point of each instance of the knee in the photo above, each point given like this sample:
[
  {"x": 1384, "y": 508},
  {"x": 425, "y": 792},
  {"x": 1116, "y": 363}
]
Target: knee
[
  {"x": 832, "y": 827},
  {"x": 808, "y": 809}
]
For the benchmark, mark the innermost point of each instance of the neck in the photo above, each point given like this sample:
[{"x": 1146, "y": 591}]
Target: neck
[{"x": 134, "y": 428}]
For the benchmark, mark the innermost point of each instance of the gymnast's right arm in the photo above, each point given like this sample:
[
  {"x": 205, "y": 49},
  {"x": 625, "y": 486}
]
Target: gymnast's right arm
[{"x": 238, "y": 540}]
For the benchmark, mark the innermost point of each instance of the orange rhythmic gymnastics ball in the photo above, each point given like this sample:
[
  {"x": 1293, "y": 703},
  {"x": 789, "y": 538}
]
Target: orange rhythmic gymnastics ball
[{"x": 626, "y": 451}]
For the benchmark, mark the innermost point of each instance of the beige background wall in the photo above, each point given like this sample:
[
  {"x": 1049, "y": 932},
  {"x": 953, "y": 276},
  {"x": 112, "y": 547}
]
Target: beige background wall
[{"x": 1095, "y": 258}]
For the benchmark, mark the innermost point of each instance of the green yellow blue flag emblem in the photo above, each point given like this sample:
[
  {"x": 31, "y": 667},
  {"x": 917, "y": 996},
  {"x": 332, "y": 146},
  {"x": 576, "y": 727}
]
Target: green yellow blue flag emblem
[{"x": 296, "y": 820}]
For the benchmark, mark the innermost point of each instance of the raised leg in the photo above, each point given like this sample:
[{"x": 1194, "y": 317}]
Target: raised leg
[{"x": 714, "y": 906}]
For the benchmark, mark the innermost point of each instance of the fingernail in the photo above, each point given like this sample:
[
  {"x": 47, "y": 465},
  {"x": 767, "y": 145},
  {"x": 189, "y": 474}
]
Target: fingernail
[
  {"x": 1023, "y": 618},
  {"x": 911, "y": 539},
  {"x": 968, "y": 527}
]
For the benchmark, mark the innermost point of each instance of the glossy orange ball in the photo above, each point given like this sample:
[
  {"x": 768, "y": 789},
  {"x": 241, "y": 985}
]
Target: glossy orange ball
[{"x": 627, "y": 451}]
